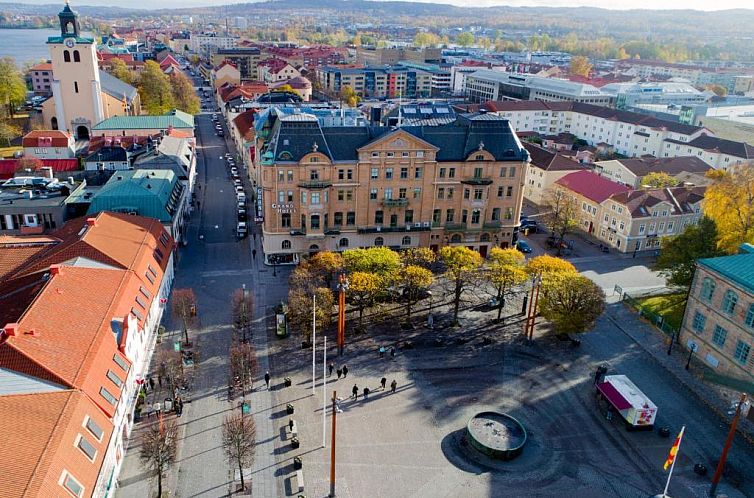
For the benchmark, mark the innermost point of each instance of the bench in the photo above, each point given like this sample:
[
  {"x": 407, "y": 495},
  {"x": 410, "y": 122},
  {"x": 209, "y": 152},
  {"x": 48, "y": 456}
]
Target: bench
[
  {"x": 292, "y": 428},
  {"x": 299, "y": 481}
]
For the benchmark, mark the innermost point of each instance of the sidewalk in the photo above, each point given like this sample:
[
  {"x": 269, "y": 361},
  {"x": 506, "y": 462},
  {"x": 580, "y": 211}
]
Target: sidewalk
[{"x": 654, "y": 342}]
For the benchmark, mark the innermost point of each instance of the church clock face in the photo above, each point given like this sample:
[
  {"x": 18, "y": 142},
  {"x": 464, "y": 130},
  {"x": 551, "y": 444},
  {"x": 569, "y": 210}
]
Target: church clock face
[{"x": 70, "y": 42}]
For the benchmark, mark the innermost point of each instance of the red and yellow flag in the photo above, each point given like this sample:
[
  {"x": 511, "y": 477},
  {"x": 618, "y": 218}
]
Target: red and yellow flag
[{"x": 674, "y": 449}]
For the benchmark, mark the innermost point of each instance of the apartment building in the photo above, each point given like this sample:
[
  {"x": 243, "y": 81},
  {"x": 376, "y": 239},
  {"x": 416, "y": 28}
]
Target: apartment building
[
  {"x": 309, "y": 57},
  {"x": 717, "y": 152},
  {"x": 546, "y": 168},
  {"x": 628, "y": 95},
  {"x": 41, "y": 78},
  {"x": 631, "y": 172},
  {"x": 244, "y": 58},
  {"x": 696, "y": 75},
  {"x": 49, "y": 144},
  {"x": 485, "y": 84},
  {"x": 334, "y": 188},
  {"x": 80, "y": 311},
  {"x": 387, "y": 81},
  {"x": 273, "y": 70},
  {"x": 719, "y": 319},
  {"x": 206, "y": 44},
  {"x": 383, "y": 56},
  {"x": 637, "y": 220}
]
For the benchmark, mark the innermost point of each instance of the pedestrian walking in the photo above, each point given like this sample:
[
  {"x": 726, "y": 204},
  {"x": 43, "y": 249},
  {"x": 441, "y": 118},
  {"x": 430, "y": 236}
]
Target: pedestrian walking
[
  {"x": 254, "y": 253},
  {"x": 159, "y": 380},
  {"x": 366, "y": 393},
  {"x": 355, "y": 392},
  {"x": 392, "y": 352},
  {"x": 329, "y": 369},
  {"x": 345, "y": 371},
  {"x": 267, "y": 379},
  {"x": 383, "y": 381},
  {"x": 393, "y": 386},
  {"x": 339, "y": 372},
  {"x": 151, "y": 383}
]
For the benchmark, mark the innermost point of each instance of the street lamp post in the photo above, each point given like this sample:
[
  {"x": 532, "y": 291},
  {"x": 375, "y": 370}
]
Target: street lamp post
[
  {"x": 342, "y": 288},
  {"x": 692, "y": 350},
  {"x": 274, "y": 260}
]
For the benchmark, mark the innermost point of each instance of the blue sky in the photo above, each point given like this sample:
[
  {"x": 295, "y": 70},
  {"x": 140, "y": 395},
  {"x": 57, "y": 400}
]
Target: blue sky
[{"x": 607, "y": 4}]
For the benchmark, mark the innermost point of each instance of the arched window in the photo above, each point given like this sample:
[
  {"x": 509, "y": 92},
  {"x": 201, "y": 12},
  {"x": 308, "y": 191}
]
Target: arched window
[
  {"x": 484, "y": 238},
  {"x": 750, "y": 316},
  {"x": 729, "y": 302},
  {"x": 455, "y": 239},
  {"x": 76, "y": 56},
  {"x": 286, "y": 244},
  {"x": 66, "y": 56},
  {"x": 54, "y": 123},
  {"x": 379, "y": 241},
  {"x": 708, "y": 289},
  {"x": 406, "y": 241},
  {"x": 343, "y": 242}
]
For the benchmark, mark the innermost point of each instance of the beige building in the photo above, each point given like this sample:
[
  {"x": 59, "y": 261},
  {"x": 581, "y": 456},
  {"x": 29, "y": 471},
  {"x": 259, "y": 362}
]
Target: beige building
[
  {"x": 244, "y": 58},
  {"x": 41, "y": 78},
  {"x": 273, "y": 70},
  {"x": 335, "y": 188},
  {"x": 546, "y": 167},
  {"x": 82, "y": 96},
  {"x": 719, "y": 320},
  {"x": 380, "y": 56},
  {"x": 631, "y": 172},
  {"x": 225, "y": 73}
]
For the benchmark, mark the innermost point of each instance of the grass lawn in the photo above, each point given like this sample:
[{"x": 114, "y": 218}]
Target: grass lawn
[
  {"x": 6, "y": 152},
  {"x": 670, "y": 306}
]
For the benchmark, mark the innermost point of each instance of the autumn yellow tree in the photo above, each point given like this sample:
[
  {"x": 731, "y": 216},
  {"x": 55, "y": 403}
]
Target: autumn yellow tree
[
  {"x": 119, "y": 69},
  {"x": 414, "y": 280},
  {"x": 184, "y": 96},
  {"x": 546, "y": 266},
  {"x": 324, "y": 265},
  {"x": 505, "y": 272},
  {"x": 571, "y": 302},
  {"x": 424, "y": 39},
  {"x": 349, "y": 96},
  {"x": 461, "y": 264},
  {"x": 658, "y": 179},
  {"x": 580, "y": 66},
  {"x": 155, "y": 90},
  {"x": 730, "y": 204},
  {"x": 418, "y": 256},
  {"x": 363, "y": 289}
]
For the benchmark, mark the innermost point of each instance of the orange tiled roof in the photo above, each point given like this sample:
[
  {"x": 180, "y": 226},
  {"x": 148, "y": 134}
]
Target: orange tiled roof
[
  {"x": 67, "y": 330},
  {"x": 42, "y": 66},
  {"x": 39, "y": 436},
  {"x": 15, "y": 251}
]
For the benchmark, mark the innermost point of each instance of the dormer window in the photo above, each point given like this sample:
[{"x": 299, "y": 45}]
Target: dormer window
[{"x": 479, "y": 157}]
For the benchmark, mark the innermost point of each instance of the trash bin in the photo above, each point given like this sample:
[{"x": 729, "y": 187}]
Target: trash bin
[
  {"x": 297, "y": 463},
  {"x": 295, "y": 443},
  {"x": 288, "y": 381},
  {"x": 289, "y": 409},
  {"x": 168, "y": 405}
]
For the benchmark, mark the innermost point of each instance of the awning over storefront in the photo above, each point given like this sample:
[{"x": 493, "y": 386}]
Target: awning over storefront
[{"x": 613, "y": 396}]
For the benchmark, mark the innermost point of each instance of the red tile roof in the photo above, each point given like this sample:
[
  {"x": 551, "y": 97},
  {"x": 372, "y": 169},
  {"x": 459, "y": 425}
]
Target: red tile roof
[
  {"x": 39, "y": 435},
  {"x": 245, "y": 122},
  {"x": 42, "y": 66},
  {"x": 8, "y": 166},
  {"x": 591, "y": 185},
  {"x": 46, "y": 138},
  {"x": 549, "y": 160},
  {"x": 15, "y": 251}
]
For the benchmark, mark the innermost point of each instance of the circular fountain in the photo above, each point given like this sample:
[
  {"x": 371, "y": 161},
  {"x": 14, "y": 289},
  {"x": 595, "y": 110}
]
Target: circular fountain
[{"x": 497, "y": 435}]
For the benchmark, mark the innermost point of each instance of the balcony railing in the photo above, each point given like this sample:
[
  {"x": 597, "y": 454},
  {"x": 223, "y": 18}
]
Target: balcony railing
[
  {"x": 493, "y": 224},
  {"x": 455, "y": 227},
  {"x": 394, "y": 202},
  {"x": 477, "y": 180},
  {"x": 315, "y": 184}
]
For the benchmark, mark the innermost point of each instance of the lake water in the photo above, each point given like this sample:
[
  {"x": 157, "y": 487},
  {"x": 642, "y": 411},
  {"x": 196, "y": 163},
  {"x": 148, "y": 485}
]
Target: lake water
[{"x": 26, "y": 45}]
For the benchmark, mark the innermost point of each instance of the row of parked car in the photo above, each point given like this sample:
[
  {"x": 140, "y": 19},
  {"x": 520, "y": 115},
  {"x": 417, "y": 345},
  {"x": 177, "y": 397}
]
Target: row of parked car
[{"x": 242, "y": 227}]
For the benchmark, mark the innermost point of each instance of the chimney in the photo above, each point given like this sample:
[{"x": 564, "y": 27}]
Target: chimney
[
  {"x": 12, "y": 329},
  {"x": 56, "y": 269},
  {"x": 92, "y": 222}
]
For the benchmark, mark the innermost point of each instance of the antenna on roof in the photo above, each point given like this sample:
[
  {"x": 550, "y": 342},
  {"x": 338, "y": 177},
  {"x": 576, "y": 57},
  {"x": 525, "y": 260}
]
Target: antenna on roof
[{"x": 400, "y": 114}]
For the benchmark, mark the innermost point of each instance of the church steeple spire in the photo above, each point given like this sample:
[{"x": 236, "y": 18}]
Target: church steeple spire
[{"x": 69, "y": 22}]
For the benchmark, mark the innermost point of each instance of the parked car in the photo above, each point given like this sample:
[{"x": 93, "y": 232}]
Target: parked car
[
  {"x": 523, "y": 247},
  {"x": 241, "y": 229},
  {"x": 242, "y": 215}
]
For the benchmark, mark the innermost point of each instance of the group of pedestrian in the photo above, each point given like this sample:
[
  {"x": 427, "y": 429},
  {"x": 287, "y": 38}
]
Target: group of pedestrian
[
  {"x": 341, "y": 371},
  {"x": 366, "y": 391}
]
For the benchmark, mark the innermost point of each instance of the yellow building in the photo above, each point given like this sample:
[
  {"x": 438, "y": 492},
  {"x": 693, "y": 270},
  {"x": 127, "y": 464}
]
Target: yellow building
[{"x": 82, "y": 96}]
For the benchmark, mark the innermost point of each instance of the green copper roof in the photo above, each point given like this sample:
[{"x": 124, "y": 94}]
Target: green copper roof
[
  {"x": 175, "y": 118},
  {"x": 738, "y": 268},
  {"x": 79, "y": 39},
  {"x": 146, "y": 192}
]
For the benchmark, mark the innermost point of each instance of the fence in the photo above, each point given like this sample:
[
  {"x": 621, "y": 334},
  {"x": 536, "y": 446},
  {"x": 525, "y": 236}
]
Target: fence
[{"x": 655, "y": 318}]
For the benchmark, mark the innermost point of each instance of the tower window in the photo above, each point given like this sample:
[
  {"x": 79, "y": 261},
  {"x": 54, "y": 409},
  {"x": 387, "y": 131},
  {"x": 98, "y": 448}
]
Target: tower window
[
  {"x": 76, "y": 56},
  {"x": 66, "y": 56},
  {"x": 76, "y": 86}
]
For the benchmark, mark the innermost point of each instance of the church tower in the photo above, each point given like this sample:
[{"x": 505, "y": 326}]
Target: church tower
[{"x": 76, "y": 87}]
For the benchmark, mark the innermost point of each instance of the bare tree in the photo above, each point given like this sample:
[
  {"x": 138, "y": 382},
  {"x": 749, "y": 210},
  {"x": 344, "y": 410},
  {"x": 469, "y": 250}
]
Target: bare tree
[
  {"x": 239, "y": 441},
  {"x": 242, "y": 306},
  {"x": 158, "y": 448},
  {"x": 170, "y": 368},
  {"x": 562, "y": 214},
  {"x": 184, "y": 309},
  {"x": 243, "y": 364}
]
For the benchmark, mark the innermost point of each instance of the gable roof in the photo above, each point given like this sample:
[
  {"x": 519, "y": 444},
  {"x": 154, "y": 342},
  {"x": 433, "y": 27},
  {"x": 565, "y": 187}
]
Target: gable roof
[
  {"x": 641, "y": 202},
  {"x": 244, "y": 122},
  {"x": 591, "y": 185},
  {"x": 116, "y": 88},
  {"x": 149, "y": 192},
  {"x": 58, "y": 138},
  {"x": 642, "y": 166},
  {"x": 721, "y": 145},
  {"x": 550, "y": 161},
  {"x": 39, "y": 438},
  {"x": 174, "y": 118}
]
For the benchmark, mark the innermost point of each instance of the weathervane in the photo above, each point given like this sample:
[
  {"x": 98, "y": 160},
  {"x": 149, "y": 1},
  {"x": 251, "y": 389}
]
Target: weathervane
[
  {"x": 481, "y": 145},
  {"x": 315, "y": 147}
]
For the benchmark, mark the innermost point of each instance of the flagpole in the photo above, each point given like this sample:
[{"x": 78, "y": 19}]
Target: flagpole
[
  {"x": 314, "y": 339},
  {"x": 324, "y": 393},
  {"x": 672, "y": 465}
]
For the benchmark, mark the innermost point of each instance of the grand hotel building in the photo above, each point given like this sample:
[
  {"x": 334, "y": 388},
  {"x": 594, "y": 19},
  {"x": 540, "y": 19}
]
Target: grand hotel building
[{"x": 335, "y": 188}]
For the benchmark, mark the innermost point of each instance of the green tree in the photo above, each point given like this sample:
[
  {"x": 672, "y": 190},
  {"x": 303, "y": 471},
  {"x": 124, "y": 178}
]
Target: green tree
[
  {"x": 571, "y": 302},
  {"x": 184, "y": 96},
  {"x": 363, "y": 289},
  {"x": 658, "y": 179},
  {"x": 380, "y": 260},
  {"x": 580, "y": 66},
  {"x": 12, "y": 85},
  {"x": 465, "y": 39},
  {"x": 418, "y": 256},
  {"x": 119, "y": 69},
  {"x": 155, "y": 90},
  {"x": 461, "y": 264},
  {"x": 505, "y": 272},
  {"x": 426, "y": 39},
  {"x": 562, "y": 214},
  {"x": 286, "y": 88},
  {"x": 414, "y": 280},
  {"x": 730, "y": 204},
  {"x": 677, "y": 260},
  {"x": 8, "y": 131},
  {"x": 349, "y": 96}
]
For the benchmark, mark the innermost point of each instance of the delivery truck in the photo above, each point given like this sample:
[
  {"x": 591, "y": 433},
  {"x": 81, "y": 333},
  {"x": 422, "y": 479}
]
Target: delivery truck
[{"x": 622, "y": 396}]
